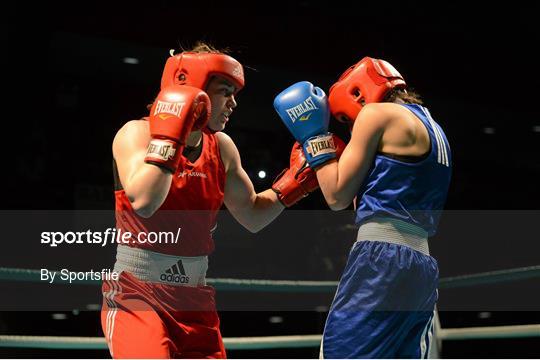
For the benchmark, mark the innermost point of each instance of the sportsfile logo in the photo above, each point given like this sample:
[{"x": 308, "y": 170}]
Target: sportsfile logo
[
  {"x": 164, "y": 108},
  {"x": 175, "y": 274},
  {"x": 297, "y": 112}
]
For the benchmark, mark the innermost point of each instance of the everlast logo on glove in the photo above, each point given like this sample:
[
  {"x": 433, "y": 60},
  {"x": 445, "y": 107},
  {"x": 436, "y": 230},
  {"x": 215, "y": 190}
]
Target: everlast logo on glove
[
  {"x": 300, "y": 109},
  {"x": 321, "y": 145},
  {"x": 161, "y": 149},
  {"x": 164, "y": 107}
]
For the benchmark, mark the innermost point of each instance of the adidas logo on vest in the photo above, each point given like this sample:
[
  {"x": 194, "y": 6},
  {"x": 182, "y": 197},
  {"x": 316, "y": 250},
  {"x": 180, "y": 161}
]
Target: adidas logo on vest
[{"x": 175, "y": 273}]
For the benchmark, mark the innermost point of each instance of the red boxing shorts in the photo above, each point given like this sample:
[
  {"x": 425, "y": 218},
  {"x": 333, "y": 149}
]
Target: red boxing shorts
[{"x": 142, "y": 319}]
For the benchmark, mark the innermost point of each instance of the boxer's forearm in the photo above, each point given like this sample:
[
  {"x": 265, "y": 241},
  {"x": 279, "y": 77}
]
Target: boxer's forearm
[
  {"x": 328, "y": 177},
  {"x": 147, "y": 189},
  {"x": 266, "y": 208},
  {"x": 146, "y": 185},
  {"x": 261, "y": 210}
]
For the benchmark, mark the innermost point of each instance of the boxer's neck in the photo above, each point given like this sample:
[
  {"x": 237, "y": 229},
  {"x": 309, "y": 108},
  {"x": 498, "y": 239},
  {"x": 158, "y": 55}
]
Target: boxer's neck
[{"x": 194, "y": 138}]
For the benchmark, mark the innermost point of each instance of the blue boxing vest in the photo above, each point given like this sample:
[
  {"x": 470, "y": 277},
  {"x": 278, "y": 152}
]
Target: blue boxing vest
[{"x": 414, "y": 192}]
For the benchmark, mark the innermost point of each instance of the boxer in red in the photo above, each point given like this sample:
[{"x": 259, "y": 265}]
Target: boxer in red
[{"x": 173, "y": 172}]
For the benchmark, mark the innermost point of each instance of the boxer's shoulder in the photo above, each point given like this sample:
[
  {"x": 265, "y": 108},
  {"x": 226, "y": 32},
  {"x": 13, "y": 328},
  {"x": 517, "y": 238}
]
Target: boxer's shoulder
[
  {"x": 134, "y": 128},
  {"x": 386, "y": 115},
  {"x": 132, "y": 133},
  {"x": 381, "y": 111},
  {"x": 228, "y": 150}
]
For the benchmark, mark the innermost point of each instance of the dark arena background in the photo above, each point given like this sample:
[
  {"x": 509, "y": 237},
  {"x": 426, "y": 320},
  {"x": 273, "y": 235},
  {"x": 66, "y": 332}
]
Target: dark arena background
[{"x": 75, "y": 72}]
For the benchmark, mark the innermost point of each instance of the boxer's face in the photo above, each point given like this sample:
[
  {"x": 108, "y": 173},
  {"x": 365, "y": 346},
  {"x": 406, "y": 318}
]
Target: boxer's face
[{"x": 221, "y": 93}]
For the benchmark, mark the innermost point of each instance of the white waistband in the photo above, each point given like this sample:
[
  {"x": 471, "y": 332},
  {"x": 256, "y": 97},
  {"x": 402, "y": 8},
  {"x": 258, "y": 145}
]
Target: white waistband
[
  {"x": 151, "y": 266},
  {"x": 394, "y": 231}
]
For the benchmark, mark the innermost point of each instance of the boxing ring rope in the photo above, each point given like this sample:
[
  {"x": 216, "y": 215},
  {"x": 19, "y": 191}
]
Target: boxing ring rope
[
  {"x": 98, "y": 343},
  {"x": 266, "y": 342},
  {"x": 293, "y": 341}
]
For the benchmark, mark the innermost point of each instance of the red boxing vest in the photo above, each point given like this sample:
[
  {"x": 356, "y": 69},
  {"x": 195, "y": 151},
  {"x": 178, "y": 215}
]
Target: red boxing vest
[{"x": 189, "y": 212}]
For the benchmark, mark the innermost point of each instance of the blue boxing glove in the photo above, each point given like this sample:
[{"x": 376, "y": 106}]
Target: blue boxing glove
[{"x": 303, "y": 108}]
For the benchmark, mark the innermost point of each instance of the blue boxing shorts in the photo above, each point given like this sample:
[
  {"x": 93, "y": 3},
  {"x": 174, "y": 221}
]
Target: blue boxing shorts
[{"x": 384, "y": 304}]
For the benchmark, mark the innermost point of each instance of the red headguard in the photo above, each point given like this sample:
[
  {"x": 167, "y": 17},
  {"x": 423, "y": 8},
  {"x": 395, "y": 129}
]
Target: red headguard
[
  {"x": 196, "y": 69},
  {"x": 365, "y": 82}
]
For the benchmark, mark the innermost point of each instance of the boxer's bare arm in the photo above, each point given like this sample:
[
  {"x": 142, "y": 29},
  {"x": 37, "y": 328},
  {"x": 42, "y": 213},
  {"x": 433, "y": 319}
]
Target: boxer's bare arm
[
  {"x": 254, "y": 211},
  {"x": 340, "y": 180},
  {"x": 146, "y": 185},
  {"x": 383, "y": 127}
]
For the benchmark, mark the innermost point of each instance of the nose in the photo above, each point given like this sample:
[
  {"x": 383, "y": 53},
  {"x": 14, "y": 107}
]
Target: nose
[{"x": 232, "y": 102}]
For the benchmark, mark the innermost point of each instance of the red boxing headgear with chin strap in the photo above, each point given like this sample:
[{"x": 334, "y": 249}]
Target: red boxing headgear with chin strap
[
  {"x": 366, "y": 82},
  {"x": 196, "y": 69}
]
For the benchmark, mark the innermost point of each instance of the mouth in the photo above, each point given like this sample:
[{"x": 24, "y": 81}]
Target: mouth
[{"x": 226, "y": 116}]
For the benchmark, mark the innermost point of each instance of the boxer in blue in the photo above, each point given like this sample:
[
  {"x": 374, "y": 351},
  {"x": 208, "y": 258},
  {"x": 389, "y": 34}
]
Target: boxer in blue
[{"x": 396, "y": 168}]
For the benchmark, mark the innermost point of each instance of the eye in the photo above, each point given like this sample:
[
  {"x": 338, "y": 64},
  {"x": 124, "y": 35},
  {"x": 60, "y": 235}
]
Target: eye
[
  {"x": 226, "y": 92},
  {"x": 357, "y": 93},
  {"x": 343, "y": 119}
]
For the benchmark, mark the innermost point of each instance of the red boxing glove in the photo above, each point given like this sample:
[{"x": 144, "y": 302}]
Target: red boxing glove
[
  {"x": 177, "y": 110},
  {"x": 297, "y": 181}
]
